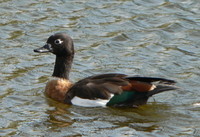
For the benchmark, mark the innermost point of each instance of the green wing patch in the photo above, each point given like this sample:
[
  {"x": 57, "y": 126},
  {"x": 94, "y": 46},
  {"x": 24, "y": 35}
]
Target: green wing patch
[{"x": 126, "y": 95}]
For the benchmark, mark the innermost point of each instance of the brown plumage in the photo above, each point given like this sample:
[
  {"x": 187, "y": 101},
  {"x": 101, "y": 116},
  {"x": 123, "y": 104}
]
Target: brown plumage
[
  {"x": 138, "y": 86},
  {"x": 57, "y": 89},
  {"x": 127, "y": 90}
]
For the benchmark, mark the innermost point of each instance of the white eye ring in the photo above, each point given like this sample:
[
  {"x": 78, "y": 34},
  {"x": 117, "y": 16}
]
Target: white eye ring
[{"x": 58, "y": 41}]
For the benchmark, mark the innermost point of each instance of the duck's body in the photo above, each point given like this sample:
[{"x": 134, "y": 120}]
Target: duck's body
[{"x": 111, "y": 89}]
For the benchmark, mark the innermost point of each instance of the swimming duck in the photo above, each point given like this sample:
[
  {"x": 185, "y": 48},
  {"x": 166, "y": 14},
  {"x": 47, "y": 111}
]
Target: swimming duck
[{"x": 112, "y": 89}]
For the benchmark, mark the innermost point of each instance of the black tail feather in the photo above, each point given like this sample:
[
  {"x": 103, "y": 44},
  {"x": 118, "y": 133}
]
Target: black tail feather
[
  {"x": 152, "y": 79},
  {"x": 161, "y": 88}
]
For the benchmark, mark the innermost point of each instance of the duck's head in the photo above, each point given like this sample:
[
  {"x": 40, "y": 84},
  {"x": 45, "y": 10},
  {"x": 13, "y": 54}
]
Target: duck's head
[{"x": 59, "y": 44}]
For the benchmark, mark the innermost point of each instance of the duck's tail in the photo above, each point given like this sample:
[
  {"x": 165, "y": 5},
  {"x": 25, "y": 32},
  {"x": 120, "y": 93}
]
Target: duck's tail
[{"x": 161, "y": 88}]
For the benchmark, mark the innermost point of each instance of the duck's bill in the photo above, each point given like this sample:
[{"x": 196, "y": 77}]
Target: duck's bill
[{"x": 44, "y": 49}]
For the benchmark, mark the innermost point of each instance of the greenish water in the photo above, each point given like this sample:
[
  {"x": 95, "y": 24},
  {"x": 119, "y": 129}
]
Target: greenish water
[{"x": 143, "y": 37}]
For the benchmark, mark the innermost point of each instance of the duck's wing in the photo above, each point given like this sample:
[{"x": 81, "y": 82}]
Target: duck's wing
[
  {"x": 102, "y": 86},
  {"x": 98, "y": 86}
]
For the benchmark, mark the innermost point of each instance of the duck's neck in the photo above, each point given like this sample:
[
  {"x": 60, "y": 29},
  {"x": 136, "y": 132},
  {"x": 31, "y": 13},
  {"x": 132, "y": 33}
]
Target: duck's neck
[{"x": 62, "y": 66}]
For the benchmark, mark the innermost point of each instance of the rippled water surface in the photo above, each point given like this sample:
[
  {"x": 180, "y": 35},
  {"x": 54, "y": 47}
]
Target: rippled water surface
[{"x": 140, "y": 37}]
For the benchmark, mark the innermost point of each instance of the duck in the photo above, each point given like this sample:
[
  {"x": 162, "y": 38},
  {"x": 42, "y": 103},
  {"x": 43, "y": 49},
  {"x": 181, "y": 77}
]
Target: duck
[{"x": 109, "y": 89}]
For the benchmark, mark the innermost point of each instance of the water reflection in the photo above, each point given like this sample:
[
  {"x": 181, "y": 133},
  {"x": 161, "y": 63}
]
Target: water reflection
[{"x": 59, "y": 116}]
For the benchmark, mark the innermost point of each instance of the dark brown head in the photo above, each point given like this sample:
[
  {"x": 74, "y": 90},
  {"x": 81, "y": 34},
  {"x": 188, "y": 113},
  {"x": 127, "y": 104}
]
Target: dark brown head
[
  {"x": 59, "y": 44},
  {"x": 62, "y": 46}
]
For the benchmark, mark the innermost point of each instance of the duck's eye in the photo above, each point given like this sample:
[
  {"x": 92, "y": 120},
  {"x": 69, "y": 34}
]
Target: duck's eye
[{"x": 58, "y": 41}]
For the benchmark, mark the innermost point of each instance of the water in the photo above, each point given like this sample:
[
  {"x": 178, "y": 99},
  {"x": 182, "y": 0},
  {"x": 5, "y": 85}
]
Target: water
[{"x": 144, "y": 37}]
